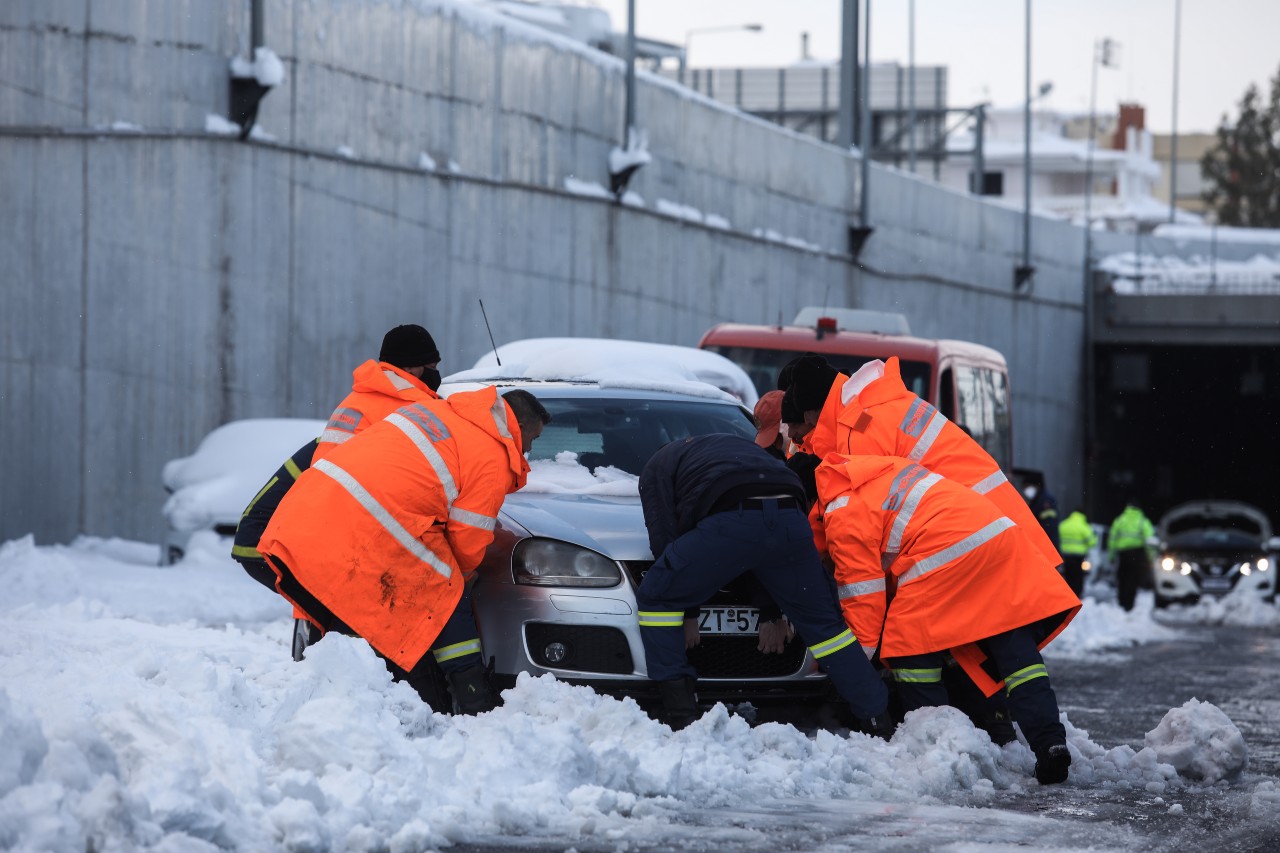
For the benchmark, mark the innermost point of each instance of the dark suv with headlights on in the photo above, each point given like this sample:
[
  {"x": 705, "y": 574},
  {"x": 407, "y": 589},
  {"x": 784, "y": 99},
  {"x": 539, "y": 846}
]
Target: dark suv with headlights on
[
  {"x": 556, "y": 590},
  {"x": 1212, "y": 548}
]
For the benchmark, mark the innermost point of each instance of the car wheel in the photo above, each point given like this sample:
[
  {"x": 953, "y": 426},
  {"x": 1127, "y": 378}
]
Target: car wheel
[{"x": 1162, "y": 603}]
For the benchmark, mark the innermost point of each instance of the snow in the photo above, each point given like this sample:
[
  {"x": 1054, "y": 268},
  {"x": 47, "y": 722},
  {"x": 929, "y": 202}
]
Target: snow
[
  {"x": 637, "y": 365},
  {"x": 1169, "y": 274},
  {"x": 564, "y": 475},
  {"x": 426, "y": 162},
  {"x": 587, "y": 188},
  {"x": 634, "y": 155},
  {"x": 1220, "y": 233},
  {"x": 214, "y": 123},
  {"x": 148, "y": 708},
  {"x": 266, "y": 67}
]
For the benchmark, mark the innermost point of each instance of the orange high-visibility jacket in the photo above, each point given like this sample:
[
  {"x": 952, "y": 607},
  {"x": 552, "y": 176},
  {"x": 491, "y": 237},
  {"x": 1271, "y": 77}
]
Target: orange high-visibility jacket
[
  {"x": 886, "y": 419},
  {"x": 377, "y": 390},
  {"x": 384, "y": 529},
  {"x": 925, "y": 565}
]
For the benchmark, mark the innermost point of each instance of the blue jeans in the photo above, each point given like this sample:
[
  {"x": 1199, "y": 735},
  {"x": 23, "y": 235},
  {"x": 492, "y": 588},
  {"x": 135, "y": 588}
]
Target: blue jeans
[{"x": 777, "y": 544}]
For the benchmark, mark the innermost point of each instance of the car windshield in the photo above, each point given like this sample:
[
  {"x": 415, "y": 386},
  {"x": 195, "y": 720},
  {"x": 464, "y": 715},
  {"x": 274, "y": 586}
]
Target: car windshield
[
  {"x": 763, "y": 365},
  {"x": 1214, "y": 540},
  {"x": 624, "y": 433}
]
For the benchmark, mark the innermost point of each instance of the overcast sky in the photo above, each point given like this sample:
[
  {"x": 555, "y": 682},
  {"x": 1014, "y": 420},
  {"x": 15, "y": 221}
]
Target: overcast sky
[{"x": 1226, "y": 45}]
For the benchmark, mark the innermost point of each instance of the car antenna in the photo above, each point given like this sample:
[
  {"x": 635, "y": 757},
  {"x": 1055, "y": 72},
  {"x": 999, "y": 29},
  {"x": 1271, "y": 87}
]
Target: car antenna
[{"x": 490, "y": 331}]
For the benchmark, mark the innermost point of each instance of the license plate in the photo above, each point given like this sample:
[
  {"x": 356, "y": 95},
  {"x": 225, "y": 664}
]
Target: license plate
[
  {"x": 729, "y": 620},
  {"x": 1215, "y": 584}
]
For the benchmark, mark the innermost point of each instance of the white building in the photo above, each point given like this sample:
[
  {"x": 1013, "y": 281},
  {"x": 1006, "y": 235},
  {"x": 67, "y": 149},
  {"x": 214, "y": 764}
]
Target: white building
[{"x": 1119, "y": 181}]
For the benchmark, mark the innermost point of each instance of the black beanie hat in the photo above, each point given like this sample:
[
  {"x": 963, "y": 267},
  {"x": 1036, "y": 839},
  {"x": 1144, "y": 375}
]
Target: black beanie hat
[
  {"x": 408, "y": 346},
  {"x": 790, "y": 413},
  {"x": 811, "y": 377}
]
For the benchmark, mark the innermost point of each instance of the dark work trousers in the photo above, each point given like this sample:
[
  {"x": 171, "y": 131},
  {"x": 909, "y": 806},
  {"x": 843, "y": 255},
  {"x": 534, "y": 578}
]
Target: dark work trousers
[
  {"x": 777, "y": 544},
  {"x": 258, "y": 569},
  {"x": 1073, "y": 573},
  {"x": 457, "y": 647},
  {"x": 1032, "y": 702},
  {"x": 1131, "y": 563}
]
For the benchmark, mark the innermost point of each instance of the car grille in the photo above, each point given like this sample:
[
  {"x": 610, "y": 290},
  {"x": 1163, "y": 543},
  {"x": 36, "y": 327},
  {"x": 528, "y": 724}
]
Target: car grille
[
  {"x": 588, "y": 648},
  {"x": 724, "y": 656}
]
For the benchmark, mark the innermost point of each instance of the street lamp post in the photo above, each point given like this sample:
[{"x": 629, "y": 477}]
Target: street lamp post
[{"x": 689, "y": 34}]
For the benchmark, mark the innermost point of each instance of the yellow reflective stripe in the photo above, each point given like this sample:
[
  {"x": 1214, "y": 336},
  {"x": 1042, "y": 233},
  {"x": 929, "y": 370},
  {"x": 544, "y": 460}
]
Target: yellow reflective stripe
[
  {"x": 1022, "y": 676},
  {"x": 918, "y": 676},
  {"x": 840, "y": 641},
  {"x": 956, "y": 551},
  {"x": 853, "y": 590},
  {"x": 936, "y": 423},
  {"x": 906, "y": 511},
  {"x": 258, "y": 496},
  {"x": 474, "y": 519},
  {"x": 989, "y": 482},
  {"x": 836, "y": 504},
  {"x": 457, "y": 650},
  {"x": 246, "y": 552},
  {"x": 420, "y": 441},
  {"x": 380, "y": 514},
  {"x": 292, "y": 467},
  {"x": 661, "y": 619}
]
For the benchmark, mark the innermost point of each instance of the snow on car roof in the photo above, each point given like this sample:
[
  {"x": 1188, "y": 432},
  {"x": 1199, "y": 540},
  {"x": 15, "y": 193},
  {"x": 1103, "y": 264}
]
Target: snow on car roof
[
  {"x": 636, "y": 365},
  {"x": 230, "y": 464}
]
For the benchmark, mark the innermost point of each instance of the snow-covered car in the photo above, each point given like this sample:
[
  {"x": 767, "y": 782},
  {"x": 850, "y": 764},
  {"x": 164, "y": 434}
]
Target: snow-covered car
[
  {"x": 555, "y": 592},
  {"x": 1211, "y": 548},
  {"x": 209, "y": 489}
]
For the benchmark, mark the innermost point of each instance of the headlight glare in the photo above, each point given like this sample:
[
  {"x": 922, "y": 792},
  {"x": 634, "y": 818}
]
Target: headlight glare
[
  {"x": 1246, "y": 569},
  {"x": 1167, "y": 564},
  {"x": 1186, "y": 568},
  {"x": 1263, "y": 564},
  {"x": 546, "y": 562}
]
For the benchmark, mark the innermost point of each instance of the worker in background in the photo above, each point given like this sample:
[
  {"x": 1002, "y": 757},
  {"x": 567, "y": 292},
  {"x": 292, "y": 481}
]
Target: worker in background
[
  {"x": 1075, "y": 539},
  {"x": 1128, "y": 549}
]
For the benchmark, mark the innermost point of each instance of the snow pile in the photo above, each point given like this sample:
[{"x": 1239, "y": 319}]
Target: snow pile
[
  {"x": 1104, "y": 626},
  {"x": 564, "y": 475},
  {"x": 1236, "y": 608},
  {"x": 149, "y": 708},
  {"x": 1169, "y": 274},
  {"x": 1200, "y": 742},
  {"x": 266, "y": 67}
]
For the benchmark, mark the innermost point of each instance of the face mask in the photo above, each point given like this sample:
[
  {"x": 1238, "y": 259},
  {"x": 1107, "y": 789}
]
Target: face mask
[{"x": 431, "y": 378}]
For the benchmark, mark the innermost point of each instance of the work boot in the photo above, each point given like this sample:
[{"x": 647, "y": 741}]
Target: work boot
[
  {"x": 473, "y": 691},
  {"x": 1000, "y": 728},
  {"x": 679, "y": 702},
  {"x": 881, "y": 725},
  {"x": 304, "y": 634},
  {"x": 1052, "y": 764}
]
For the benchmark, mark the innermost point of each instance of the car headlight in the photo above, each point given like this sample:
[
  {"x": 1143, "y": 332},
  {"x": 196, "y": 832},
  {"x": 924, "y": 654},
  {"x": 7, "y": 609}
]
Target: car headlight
[
  {"x": 1246, "y": 569},
  {"x": 1168, "y": 564},
  {"x": 1263, "y": 564},
  {"x": 1085, "y": 566},
  {"x": 546, "y": 562},
  {"x": 1187, "y": 568}
]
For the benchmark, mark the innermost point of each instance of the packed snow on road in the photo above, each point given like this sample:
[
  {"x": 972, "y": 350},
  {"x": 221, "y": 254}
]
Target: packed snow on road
[{"x": 150, "y": 708}]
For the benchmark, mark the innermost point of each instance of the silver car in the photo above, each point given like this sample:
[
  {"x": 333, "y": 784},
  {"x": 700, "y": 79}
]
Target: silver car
[
  {"x": 1212, "y": 548},
  {"x": 556, "y": 591}
]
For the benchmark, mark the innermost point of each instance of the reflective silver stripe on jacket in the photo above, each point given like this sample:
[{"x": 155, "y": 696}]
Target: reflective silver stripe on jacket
[
  {"x": 931, "y": 432},
  {"x": 380, "y": 513},
  {"x": 906, "y": 511},
  {"x": 397, "y": 380},
  {"x": 836, "y": 504},
  {"x": 474, "y": 519},
  {"x": 854, "y": 590},
  {"x": 336, "y": 436},
  {"x": 432, "y": 455},
  {"x": 499, "y": 411},
  {"x": 956, "y": 551},
  {"x": 990, "y": 481}
]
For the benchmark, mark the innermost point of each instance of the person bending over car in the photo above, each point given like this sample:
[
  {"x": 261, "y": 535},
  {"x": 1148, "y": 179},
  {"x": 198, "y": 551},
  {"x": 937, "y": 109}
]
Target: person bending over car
[
  {"x": 380, "y": 537},
  {"x": 717, "y": 506}
]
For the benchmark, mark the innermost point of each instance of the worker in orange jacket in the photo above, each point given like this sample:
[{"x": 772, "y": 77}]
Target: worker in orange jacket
[
  {"x": 930, "y": 567},
  {"x": 406, "y": 372},
  {"x": 380, "y": 536},
  {"x": 873, "y": 412}
]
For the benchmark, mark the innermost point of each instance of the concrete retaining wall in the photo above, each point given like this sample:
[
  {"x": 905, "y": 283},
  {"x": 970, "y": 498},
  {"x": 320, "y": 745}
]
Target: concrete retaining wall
[{"x": 160, "y": 279}]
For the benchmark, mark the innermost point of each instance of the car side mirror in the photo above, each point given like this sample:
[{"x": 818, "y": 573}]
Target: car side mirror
[
  {"x": 1154, "y": 542},
  {"x": 1273, "y": 544}
]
